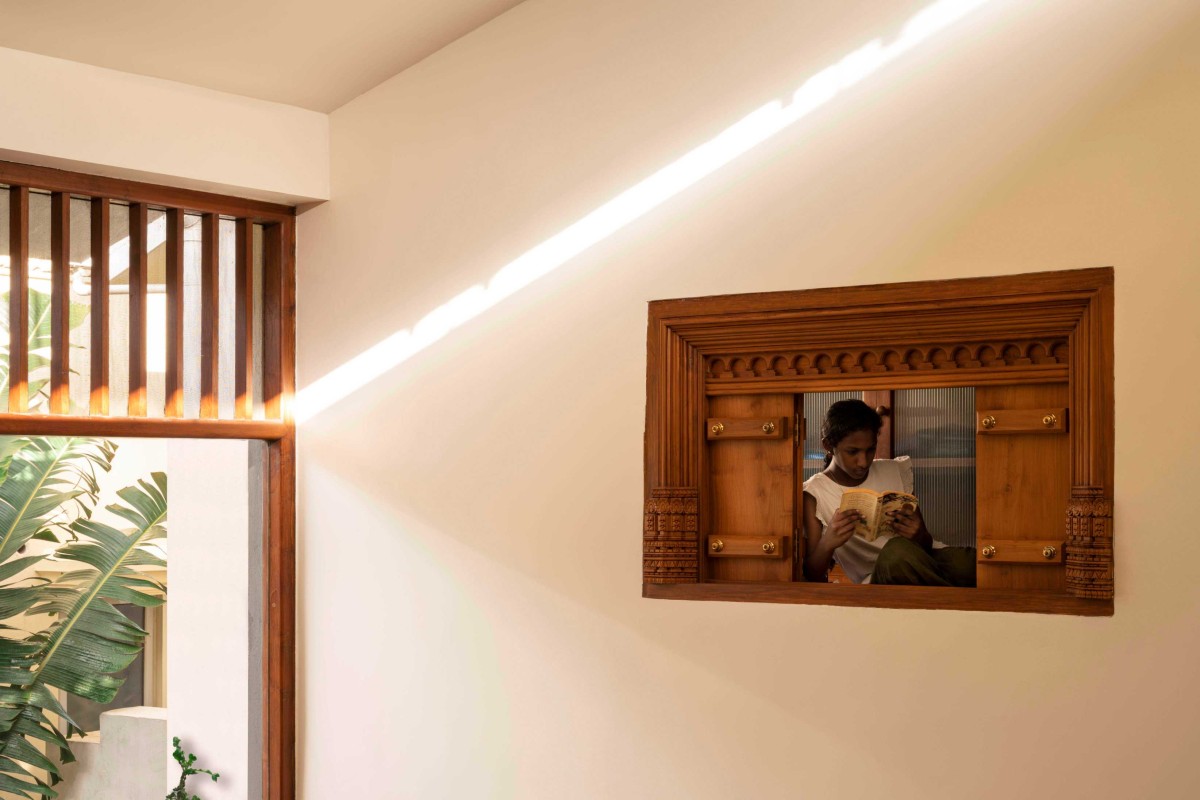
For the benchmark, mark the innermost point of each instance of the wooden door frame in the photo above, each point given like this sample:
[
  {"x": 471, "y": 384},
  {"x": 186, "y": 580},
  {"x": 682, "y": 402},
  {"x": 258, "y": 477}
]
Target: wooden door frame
[
  {"x": 1034, "y": 328},
  {"x": 278, "y": 430}
]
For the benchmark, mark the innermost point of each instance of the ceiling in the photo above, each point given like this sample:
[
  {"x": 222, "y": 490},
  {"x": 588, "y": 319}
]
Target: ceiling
[{"x": 316, "y": 54}]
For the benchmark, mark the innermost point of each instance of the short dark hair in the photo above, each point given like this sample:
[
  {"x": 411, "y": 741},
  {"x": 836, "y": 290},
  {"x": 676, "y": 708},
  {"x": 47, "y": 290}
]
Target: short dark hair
[{"x": 844, "y": 418}]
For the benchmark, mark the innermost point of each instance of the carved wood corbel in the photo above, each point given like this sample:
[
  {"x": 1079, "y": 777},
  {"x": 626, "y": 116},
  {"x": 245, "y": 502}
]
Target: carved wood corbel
[
  {"x": 671, "y": 535},
  {"x": 1089, "y": 545}
]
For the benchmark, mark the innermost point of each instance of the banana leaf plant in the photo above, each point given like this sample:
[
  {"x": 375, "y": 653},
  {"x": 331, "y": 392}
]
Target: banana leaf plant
[
  {"x": 37, "y": 344},
  {"x": 49, "y": 490}
]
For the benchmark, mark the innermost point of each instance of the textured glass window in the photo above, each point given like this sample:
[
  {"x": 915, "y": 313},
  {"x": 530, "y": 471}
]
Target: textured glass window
[{"x": 936, "y": 428}]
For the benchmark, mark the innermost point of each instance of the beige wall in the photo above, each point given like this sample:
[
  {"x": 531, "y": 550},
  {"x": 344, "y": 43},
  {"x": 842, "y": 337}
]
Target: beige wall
[
  {"x": 62, "y": 114},
  {"x": 470, "y": 551}
]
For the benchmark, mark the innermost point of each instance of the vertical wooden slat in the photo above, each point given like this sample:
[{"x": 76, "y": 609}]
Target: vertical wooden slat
[
  {"x": 209, "y": 314},
  {"x": 138, "y": 257},
  {"x": 287, "y": 334},
  {"x": 881, "y": 401},
  {"x": 174, "y": 333},
  {"x": 279, "y": 616},
  {"x": 279, "y": 346},
  {"x": 244, "y": 312},
  {"x": 99, "y": 312},
  {"x": 273, "y": 320},
  {"x": 60, "y": 303},
  {"x": 18, "y": 300}
]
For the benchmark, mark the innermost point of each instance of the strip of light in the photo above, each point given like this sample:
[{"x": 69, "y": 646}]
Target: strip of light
[{"x": 750, "y": 131}]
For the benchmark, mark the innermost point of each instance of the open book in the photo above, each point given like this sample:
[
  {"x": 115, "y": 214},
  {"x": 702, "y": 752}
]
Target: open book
[{"x": 875, "y": 506}]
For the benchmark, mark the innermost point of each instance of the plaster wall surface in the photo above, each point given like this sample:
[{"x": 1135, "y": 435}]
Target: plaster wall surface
[
  {"x": 479, "y": 506},
  {"x": 63, "y": 114},
  {"x": 214, "y": 662}
]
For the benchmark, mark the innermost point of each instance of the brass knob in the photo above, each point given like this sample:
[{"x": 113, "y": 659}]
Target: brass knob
[
  {"x": 768, "y": 547},
  {"x": 717, "y": 428},
  {"x": 882, "y": 411},
  {"x": 1048, "y": 551},
  {"x": 768, "y": 427},
  {"x": 988, "y": 422},
  {"x": 717, "y": 545},
  {"x": 988, "y": 551},
  {"x": 1050, "y": 420}
]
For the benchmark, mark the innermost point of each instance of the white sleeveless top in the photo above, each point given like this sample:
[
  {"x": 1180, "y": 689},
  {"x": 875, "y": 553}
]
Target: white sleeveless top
[{"x": 857, "y": 556}]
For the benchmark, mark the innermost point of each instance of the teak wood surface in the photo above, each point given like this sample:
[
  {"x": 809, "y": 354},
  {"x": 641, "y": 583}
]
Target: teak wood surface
[
  {"x": 278, "y": 332},
  {"x": 1022, "y": 485},
  {"x": 1014, "y": 333},
  {"x": 751, "y": 490}
]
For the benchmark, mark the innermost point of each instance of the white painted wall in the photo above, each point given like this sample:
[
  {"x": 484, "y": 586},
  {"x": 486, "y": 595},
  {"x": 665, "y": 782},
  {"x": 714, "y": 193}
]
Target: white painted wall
[
  {"x": 74, "y": 116},
  {"x": 213, "y": 653},
  {"x": 470, "y": 523}
]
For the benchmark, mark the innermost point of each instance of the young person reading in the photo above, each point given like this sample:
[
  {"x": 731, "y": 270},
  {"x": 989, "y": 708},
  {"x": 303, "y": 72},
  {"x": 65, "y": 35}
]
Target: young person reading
[{"x": 896, "y": 549}]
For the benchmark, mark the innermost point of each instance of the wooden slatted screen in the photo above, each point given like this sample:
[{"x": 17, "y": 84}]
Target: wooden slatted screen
[{"x": 146, "y": 203}]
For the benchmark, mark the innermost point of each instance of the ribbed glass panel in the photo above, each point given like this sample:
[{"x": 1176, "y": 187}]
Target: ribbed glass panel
[
  {"x": 815, "y": 406},
  {"x": 936, "y": 428}
]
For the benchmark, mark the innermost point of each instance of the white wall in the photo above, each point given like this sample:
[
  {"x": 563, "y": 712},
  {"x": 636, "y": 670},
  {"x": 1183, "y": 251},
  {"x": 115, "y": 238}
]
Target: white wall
[
  {"x": 63, "y": 114},
  {"x": 470, "y": 523},
  {"x": 213, "y": 652}
]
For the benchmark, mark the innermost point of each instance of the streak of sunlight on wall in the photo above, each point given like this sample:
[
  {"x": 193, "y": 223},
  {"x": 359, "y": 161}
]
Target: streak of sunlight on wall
[{"x": 753, "y": 129}]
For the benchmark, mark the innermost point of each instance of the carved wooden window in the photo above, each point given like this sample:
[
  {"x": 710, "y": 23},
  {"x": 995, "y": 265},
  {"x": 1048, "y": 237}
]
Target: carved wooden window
[{"x": 726, "y": 378}]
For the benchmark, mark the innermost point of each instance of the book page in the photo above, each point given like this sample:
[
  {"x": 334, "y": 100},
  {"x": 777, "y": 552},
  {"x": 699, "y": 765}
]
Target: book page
[
  {"x": 890, "y": 502},
  {"x": 867, "y": 503}
]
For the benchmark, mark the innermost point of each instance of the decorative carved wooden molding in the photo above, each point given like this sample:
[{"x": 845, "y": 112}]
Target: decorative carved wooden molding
[
  {"x": 1049, "y": 327},
  {"x": 1051, "y": 355},
  {"x": 670, "y": 537},
  {"x": 1090, "y": 543}
]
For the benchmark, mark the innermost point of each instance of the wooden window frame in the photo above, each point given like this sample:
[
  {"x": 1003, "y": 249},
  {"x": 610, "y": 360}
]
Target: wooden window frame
[
  {"x": 278, "y": 431},
  {"x": 1019, "y": 329}
]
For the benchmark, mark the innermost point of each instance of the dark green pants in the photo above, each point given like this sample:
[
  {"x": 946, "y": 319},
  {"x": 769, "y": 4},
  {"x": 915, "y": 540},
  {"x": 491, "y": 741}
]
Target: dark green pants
[{"x": 902, "y": 561}]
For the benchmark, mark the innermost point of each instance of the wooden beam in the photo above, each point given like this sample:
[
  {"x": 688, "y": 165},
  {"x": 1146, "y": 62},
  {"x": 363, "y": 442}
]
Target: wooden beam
[
  {"x": 99, "y": 310},
  {"x": 210, "y": 312},
  {"x": 18, "y": 299},
  {"x": 58, "y": 180},
  {"x": 60, "y": 303},
  {"x": 153, "y": 427},
  {"x": 244, "y": 322},
  {"x": 839, "y": 594},
  {"x": 138, "y": 258},
  {"x": 174, "y": 332}
]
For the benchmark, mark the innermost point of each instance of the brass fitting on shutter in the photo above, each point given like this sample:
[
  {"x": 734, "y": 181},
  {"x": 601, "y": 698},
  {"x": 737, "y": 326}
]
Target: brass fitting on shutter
[{"x": 988, "y": 551}]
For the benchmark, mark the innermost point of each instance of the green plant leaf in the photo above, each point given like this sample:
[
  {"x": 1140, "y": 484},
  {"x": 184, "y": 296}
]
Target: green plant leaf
[
  {"x": 88, "y": 640},
  {"x": 44, "y": 475}
]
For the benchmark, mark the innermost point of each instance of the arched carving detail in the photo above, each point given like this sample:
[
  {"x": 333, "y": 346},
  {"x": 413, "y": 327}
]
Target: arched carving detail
[{"x": 999, "y": 355}]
